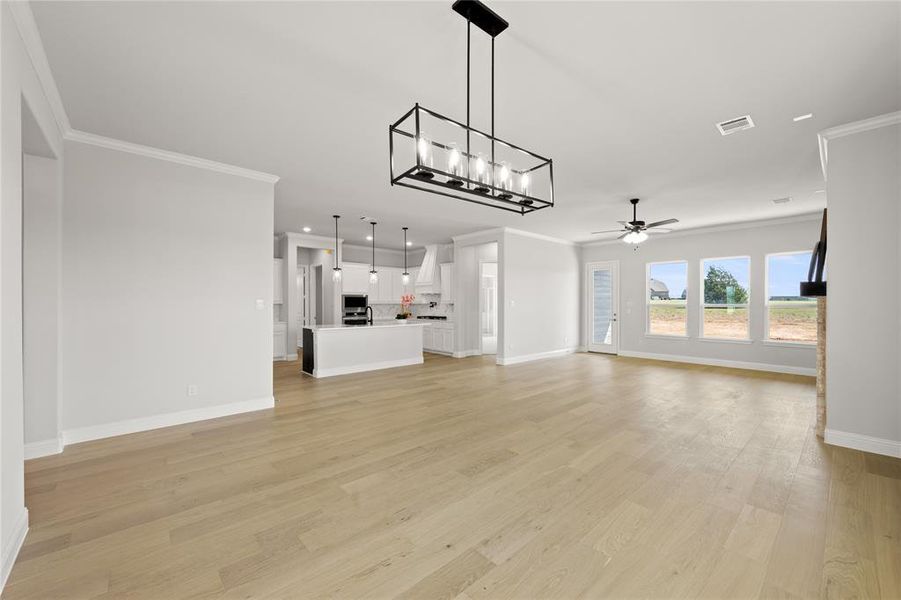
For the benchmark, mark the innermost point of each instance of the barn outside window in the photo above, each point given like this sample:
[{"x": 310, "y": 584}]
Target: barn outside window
[{"x": 667, "y": 289}]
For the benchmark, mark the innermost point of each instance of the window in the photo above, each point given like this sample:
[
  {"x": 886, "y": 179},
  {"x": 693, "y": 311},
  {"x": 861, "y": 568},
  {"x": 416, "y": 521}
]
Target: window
[
  {"x": 726, "y": 292},
  {"x": 789, "y": 317},
  {"x": 666, "y": 291}
]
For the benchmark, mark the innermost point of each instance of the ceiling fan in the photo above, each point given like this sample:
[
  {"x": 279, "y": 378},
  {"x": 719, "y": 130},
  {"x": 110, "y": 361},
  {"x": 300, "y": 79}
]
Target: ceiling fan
[{"x": 635, "y": 231}]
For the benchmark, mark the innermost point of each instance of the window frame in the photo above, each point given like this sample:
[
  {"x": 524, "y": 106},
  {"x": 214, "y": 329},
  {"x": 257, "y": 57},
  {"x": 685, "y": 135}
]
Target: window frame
[
  {"x": 766, "y": 304},
  {"x": 647, "y": 300},
  {"x": 702, "y": 276}
]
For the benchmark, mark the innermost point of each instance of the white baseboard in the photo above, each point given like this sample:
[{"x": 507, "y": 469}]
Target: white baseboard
[
  {"x": 96, "y": 432},
  {"x": 292, "y": 357},
  {"x": 514, "y": 360},
  {"x": 465, "y": 353},
  {"x": 716, "y": 362},
  {"x": 44, "y": 448},
  {"x": 866, "y": 443},
  {"x": 12, "y": 547},
  {"x": 387, "y": 364}
]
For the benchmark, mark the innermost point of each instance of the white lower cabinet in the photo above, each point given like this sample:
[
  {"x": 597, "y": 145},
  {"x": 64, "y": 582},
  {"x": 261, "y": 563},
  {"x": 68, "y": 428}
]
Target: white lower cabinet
[
  {"x": 280, "y": 341},
  {"x": 438, "y": 337}
]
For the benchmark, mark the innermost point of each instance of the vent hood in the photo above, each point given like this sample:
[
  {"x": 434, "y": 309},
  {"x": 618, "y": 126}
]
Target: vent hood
[{"x": 429, "y": 279}]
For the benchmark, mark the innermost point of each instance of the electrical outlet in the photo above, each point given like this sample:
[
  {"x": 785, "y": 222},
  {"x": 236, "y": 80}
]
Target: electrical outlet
[
  {"x": 261, "y": 304},
  {"x": 192, "y": 390}
]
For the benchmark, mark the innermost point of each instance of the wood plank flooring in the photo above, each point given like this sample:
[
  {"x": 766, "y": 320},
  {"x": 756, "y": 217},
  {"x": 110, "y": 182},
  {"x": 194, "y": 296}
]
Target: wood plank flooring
[{"x": 587, "y": 476}]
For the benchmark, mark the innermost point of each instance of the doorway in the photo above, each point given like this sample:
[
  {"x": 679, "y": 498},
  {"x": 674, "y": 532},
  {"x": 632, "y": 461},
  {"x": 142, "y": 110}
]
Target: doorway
[
  {"x": 602, "y": 283},
  {"x": 316, "y": 311},
  {"x": 303, "y": 296},
  {"x": 488, "y": 307}
]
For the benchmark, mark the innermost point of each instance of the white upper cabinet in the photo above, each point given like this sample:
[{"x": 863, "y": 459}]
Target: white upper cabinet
[
  {"x": 355, "y": 278},
  {"x": 277, "y": 281},
  {"x": 447, "y": 283},
  {"x": 390, "y": 286}
]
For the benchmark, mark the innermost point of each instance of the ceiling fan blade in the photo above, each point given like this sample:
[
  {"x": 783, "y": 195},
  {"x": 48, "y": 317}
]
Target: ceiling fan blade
[
  {"x": 607, "y": 231},
  {"x": 624, "y": 235},
  {"x": 659, "y": 223},
  {"x": 661, "y": 230}
]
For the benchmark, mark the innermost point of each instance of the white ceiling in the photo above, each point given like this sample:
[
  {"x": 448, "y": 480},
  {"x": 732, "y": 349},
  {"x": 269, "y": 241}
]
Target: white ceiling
[{"x": 623, "y": 97}]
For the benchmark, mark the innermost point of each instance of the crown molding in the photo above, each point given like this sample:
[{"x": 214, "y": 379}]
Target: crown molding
[
  {"x": 82, "y": 137},
  {"x": 886, "y": 120},
  {"x": 538, "y": 236},
  {"x": 495, "y": 233},
  {"x": 300, "y": 238},
  {"x": 34, "y": 47},
  {"x": 378, "y": 249},
  {"x": 802, "y": 218}
]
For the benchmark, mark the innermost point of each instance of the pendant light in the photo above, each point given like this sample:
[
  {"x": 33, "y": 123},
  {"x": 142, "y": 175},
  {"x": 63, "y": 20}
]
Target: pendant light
[
  {"x": 373, "y": 274},
  {"x": 336, "y": 270},
  {"x": 464, "y": 162},
  {"x": 405, "y": 277}
]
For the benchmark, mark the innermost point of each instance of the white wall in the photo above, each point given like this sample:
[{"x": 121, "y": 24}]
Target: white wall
[
  {"x": 41, "y": 261},
  {"x": 863, "y": 393},
  {"x": 541, "y": 297},
  {"x": 18, "y": 80},
  {"x": 752, "y": 239},
  {"x": 163, "y": 266}
]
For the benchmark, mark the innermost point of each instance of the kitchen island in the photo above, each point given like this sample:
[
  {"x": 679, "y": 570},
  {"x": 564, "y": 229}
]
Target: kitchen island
[{"x": 330, "y": 350}]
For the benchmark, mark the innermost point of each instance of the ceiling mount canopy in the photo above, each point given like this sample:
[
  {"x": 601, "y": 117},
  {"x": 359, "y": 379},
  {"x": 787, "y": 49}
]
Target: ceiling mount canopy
[{"x": 434, "y": 153}]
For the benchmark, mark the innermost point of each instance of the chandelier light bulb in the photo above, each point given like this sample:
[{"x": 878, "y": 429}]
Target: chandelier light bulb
[
  {"x": 453, "y": 160},
  {"x": 336, "y": 274},
  {"x": 425, "y": 150},
  {"x": 405, "y": 278},
  {"x": 373, "y": 277},
  {"x": 524, "y": 183}
]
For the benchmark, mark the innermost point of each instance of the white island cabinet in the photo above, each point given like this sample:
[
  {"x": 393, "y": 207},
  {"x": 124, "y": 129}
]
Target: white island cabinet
[{"x": 341, "y": 349}]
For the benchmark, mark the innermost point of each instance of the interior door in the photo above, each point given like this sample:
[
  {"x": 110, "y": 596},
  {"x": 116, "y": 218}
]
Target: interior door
[
  {"x": 603, "y": 307},
  {"x": 303, "y": 310}
]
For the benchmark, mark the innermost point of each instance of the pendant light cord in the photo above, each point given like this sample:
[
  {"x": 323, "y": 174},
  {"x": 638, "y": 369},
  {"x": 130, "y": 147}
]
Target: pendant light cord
[
  {"x": 405, "y": 250},
  {"x": 336, "y": 240},
  {"x": 468, "y": 149},
  {"x": 492, "y": 112},
  {"x": 373, "y": 245}
]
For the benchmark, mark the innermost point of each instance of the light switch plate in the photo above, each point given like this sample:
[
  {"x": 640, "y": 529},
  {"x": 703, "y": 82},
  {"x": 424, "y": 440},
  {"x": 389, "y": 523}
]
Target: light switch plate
[{"x": 261, "y": 304}]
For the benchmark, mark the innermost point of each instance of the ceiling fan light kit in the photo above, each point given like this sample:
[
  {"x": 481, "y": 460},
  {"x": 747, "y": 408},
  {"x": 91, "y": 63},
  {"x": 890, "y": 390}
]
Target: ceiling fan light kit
[{"x": 467, "y": 163}]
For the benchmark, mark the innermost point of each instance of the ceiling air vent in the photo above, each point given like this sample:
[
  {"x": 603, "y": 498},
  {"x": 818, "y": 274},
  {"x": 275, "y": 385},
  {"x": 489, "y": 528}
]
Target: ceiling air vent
[{"x": 733, "y": 125}]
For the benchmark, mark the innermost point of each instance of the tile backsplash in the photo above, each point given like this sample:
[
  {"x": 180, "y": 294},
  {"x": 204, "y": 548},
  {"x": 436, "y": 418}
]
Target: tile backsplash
[{"x": 389, "y": 311}]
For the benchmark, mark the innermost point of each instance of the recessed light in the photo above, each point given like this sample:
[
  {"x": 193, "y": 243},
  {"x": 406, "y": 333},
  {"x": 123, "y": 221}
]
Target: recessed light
[
  {"x": 785, "y": 200},
  {"x": 409, "y": 243},
  {"x": 802, "y": 117},
  {"x": 368, "y": 238},
  {"x": 820, "y": 192},
  {"x": 307, "y": 230}
]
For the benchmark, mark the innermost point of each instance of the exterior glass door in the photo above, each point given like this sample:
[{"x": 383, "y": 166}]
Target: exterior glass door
[{"x": 603, "y": 301}]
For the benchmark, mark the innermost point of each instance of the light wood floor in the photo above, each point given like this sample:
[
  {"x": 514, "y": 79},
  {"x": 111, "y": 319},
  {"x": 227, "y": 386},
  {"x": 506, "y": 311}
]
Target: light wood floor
[{"x": 585, "y": 476}]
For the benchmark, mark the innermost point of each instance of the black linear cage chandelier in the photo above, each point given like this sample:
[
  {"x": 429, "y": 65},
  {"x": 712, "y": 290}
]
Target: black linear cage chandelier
[{"x": 469, "y": 164}]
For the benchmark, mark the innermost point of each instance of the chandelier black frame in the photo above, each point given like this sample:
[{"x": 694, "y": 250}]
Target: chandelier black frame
[{"x": 496, "y": 184}]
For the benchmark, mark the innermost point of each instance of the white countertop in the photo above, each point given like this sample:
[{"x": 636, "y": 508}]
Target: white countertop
[{"x": 392, "y": 323}]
